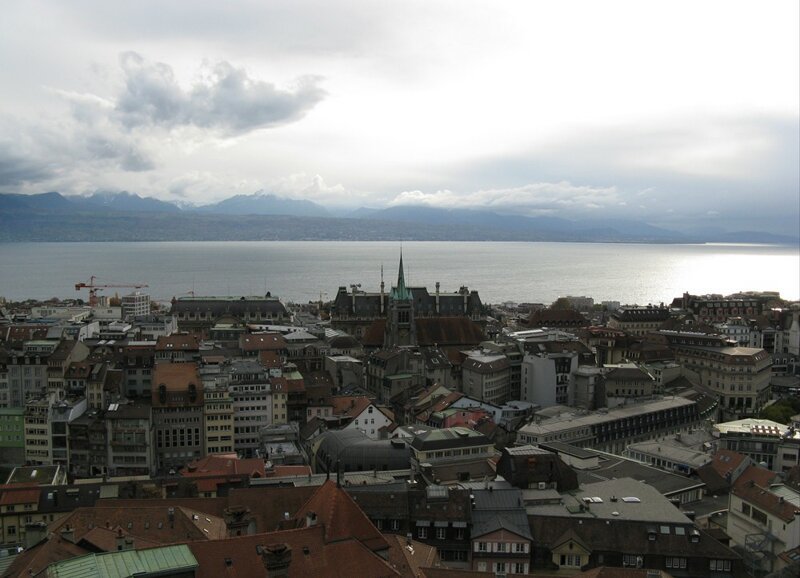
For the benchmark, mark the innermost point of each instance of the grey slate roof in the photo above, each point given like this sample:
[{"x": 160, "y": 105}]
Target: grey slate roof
[{"x": 499, "y": 509}]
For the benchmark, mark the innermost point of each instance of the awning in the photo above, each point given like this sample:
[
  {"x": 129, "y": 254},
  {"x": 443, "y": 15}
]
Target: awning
[
  {"x": 459, "y": 524},
  {"x": 441, "y": 524},
  {"x": 423, "y": 523}
]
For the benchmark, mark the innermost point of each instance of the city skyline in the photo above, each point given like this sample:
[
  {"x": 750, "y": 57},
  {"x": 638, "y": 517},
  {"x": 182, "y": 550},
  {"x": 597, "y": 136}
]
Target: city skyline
[{"x": 683, "y": 116}]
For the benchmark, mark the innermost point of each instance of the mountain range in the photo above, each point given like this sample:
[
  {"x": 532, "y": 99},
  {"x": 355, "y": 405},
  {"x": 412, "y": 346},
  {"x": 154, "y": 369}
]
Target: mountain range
[{"x": 125, "y": 216}]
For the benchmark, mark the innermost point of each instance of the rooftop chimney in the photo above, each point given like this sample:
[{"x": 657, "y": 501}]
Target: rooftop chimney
[
  {"x": 68, "y": 534},
  {"x": 276, "y": 559}
]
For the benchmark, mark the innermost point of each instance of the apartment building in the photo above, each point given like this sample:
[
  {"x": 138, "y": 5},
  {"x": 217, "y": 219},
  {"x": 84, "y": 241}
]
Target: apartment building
[
  {"x": 251, "y": 395},
  {"x": 178, "y": 414},
  {"x": 763, "y": 518},
  {"x": 739, "y": 376},
  {"x": 486, "y": 376},
  {"x": 614, "y": 429},
  {"x": 218, "y": 419},
  {"x": 638, "y": 321}
]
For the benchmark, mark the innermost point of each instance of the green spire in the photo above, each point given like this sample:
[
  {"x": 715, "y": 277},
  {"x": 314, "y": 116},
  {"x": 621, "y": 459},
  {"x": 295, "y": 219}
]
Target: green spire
[{"x": 401, "y": 293}]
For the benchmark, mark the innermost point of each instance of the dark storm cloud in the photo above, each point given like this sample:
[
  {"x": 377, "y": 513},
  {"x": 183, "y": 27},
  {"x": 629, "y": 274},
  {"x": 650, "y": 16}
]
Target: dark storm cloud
[
  {"x": 16, "y": 170},
  {"x": 228, "y": 100}
]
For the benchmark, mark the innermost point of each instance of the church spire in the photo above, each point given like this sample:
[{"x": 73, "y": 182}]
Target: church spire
[{"x": 400, "y": 292}]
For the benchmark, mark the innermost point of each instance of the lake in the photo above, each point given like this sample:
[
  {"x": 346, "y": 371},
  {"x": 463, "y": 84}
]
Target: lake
[{"x": 301, "y": 271}]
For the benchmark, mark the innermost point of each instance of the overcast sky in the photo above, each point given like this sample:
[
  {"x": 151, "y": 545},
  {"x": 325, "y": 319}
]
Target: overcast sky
[{"x": 680, "y": 113}]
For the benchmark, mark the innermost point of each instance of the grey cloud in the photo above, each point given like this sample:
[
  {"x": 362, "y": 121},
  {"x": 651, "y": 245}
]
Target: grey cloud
[
  {"x": 758, "y": 181},
  {"x": 228, "y": 100},
  {"x": 16, "y": 171}
]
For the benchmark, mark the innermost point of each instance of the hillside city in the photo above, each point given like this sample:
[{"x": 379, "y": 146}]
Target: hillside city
[{"x": 407, "y": 431}]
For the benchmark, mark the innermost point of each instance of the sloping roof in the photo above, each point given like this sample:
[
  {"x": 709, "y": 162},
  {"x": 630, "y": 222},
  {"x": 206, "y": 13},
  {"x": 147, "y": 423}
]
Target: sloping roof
[
  {"x": 151, "y": 523},
  {"x": 443, "y": 331},
  {"x": 499, "y": 509},
  {"x": 126, "y": 563},
  {"x": 311, "y": 555},
  {"x": 341, "y": 517},
  {"x": 270, "y": 359},
  {"x": 105, "y": 539},
  {"x": 178, "y": 342},
  {"x": 13, "y": 497},
  {"x": 224, "y": 464},
  {"x": 288, "y": 470},
  {"x": 344, "y": 342},
  {"x": 753, "y": 486},
  {"x": 631, "y": 536},
  {"x": 267, "y": 506},
  {"x": 40, "y": 556},
  {"x": 726, "y": 461},
  {"x": 350, "y": 405},
  {"x": 409, "y": 556},
  {"x": 758, "y": 475},
  {"x": 454, "y": 437},
  {"x": 262, "y": 342}
]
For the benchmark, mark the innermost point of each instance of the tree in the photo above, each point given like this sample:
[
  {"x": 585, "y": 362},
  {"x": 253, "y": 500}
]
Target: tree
[
  {"x": 561, "y": 304},
  {"x": 782, "y": 410}
]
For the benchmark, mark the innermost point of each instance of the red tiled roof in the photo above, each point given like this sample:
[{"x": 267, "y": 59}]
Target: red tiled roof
[
  {"x": 270, "y": 360},
  {"x": 758, "y": 475},
  {"x": 295, "y": 385},
  {"x": 350, "y": 405},
  {"x": 441, "y": 405},
  {"x": 224, "y": 464},
  {"x": 311, "y": 555},
  {"x": 282, "y": 470},
  {"x": 341, "y": 517},
  {"x": 753, "y": 487},
  {"x": 14, "y": 497},
  {"x": 409, "y": 561},
  {"x": 105, "y": 539},
  {"x": 262, "y": 342},
  {"x": 178, "y": 342},
  {"x": 444, "y": 331},
  {"x": 36, "y": 558},
  {"x": 208, "y": 484},
  {"x": 726, "y": 461},
  {"x": 150, "y": 522}
]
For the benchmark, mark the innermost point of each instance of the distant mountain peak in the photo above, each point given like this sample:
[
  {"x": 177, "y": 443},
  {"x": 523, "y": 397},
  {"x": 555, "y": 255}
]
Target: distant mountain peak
[{"x": 264, "y": 202}]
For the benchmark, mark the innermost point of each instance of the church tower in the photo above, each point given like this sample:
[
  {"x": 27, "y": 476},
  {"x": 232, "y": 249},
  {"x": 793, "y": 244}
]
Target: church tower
[{"x": 400, "y": 327}]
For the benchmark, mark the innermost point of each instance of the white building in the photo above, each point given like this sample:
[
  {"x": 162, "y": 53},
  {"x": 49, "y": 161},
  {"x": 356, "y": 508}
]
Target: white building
[
  {"x": 546, "y": 377},
  {"x": 135, "y": 304},
  {"x": 763, "y": 518}
]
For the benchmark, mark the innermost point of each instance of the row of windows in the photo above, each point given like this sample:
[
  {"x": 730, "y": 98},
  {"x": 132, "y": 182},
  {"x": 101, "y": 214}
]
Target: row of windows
[
  {"x": 502, "y": 567},
  {"x": 516, "y": 547}
]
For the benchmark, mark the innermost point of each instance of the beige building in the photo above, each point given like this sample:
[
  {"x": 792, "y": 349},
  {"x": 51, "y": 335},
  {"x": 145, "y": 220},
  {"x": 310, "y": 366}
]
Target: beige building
[
  {"x": 218, "y": 420},
  {"x": 740, "y": 376},
  {"x": 280, "y": 397},
  {"x": 178, "y": 403},
  {"x": 486, "y": 377},
  {"x": 638, "y": 320}
]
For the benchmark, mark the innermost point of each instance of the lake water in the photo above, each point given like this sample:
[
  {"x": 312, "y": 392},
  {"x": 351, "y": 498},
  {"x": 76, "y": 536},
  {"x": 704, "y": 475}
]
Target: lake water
[{"x": 300, "y": 271}]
